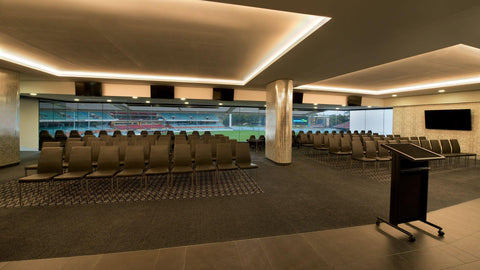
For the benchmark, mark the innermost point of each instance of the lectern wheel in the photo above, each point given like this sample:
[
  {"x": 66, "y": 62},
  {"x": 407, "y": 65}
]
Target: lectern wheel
[
  {"x": 411, "y": 238},
  {"x": 440, "y": 233}
]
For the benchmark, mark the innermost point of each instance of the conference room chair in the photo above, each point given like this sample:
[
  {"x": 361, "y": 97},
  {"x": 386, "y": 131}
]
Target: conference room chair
[
  {"x": 122, "y": 148},
  {"x": 447, "y": 151},
  {"x": 108, "y": 165},
  {"x": 68, "y": 151},
  {"x": 233, "y": 144},
  {"x": 457, "y": 151},
  {"x": 425, "y": 144},
  {"x": 244, "y": 160},
  {"x": 33, "y": 167},
  {"x": 95, "y": 145},
  {"x": 182, "y": 161},
  {"x": 304, "y": 141},
  {"x": 334, "y": 146},
  {"x": 79, "y": 166},
  {"x": 144, "y": 142},
  {"x": 87, "y": 133},
  {"x": 318, "y": 144},
  {"x": 435, "y": 144},
  {"x": 203, "y": 160},
  {"x": 383, "y": 154},
  {"x": 144, "y": 133},
  {"x": 345, "y": 147},
  {"x": 224, "y": 161},
  {"x": 49, "y": 166},
  {"x": 159, "y": 162},
  {"x": 358, "y": 155},
  {"x": 134, "y": 164},
  {"x": 44, "y": 136},
  {"x": 74, "y": 134},
  {"x": 60, "y": 137},
  {"x": 102, "y": 132}
]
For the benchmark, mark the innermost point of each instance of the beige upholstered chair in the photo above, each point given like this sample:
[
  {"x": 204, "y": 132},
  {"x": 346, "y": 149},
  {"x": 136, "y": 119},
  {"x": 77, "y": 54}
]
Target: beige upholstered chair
[
  {"x": 134, "y": 163},
  {"x": 244, "y": 161},
  {"x": 79, "y": 166},
  {"x": 108, "y": 165},
  {"x": 182, "y": 161},
  {"x": 159, "y": 162},
  {"x": 203, "y": 160}
]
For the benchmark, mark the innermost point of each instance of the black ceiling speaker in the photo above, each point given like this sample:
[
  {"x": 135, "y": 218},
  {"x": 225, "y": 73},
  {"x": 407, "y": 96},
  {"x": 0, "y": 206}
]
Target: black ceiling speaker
[
  {"x": 354, "y": 101},
  {"x": 225, "y": 94},
  {"x": 93, "y": 89},
  {"x": 297, "y": 98},
  {"x": 162, "y": 91}
]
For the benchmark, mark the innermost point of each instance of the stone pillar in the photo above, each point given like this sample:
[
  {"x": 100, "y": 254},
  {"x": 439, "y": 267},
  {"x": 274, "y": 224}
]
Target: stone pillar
[
  {"x": 9, "y": 107},
  {"x": 278, "y": 122}
]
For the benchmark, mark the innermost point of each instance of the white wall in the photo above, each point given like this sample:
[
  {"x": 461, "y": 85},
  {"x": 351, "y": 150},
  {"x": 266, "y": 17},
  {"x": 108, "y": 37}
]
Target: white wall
[{"x": 29, "y": 124}]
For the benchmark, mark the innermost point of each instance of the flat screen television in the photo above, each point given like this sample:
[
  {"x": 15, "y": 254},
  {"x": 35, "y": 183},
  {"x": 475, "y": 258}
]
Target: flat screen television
[
  {"x": 225, "y": 94},
  {"x": 448, "y": 119},
  {"x": 88, "y": 89}
]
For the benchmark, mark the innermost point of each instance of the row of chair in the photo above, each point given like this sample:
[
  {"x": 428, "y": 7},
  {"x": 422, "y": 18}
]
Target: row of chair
[{"x": 50, "y": 166}]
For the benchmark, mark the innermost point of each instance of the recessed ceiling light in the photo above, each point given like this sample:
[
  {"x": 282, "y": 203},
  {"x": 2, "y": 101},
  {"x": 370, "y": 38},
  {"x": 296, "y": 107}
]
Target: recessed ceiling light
[
  {"x": 394, "y": 95},
  {"x": 182, "y": 98},
  {"x": 134, "y": 97},
  {"x": 369, "y": 106},
  {"x": 33, "y": 94},
  {"x": 315, "y": 104},
  {"x": 265, "y": 105},
  {"x": 344, "y": 105},
  {"x": 220, "y": 104},
  {"x": 337, "y": 108},
  {"x": 186, "y": 102},
  {"x": 147, "y": 101},
  {"x": 315, "y": 107},
  {"x": 76, "y": 99},
  {"x": 109, "y": 100},
  {"x": 441, "y": 91}
]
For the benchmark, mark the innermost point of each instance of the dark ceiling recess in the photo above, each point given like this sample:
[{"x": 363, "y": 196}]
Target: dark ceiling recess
[
  {"x": 354, "y": 101},
  {"x": 297, "y": 98},
  {"x": 224, "y": 94},
  {"x": 91, "y": 89},
  {"x": 162, "y": 91}
]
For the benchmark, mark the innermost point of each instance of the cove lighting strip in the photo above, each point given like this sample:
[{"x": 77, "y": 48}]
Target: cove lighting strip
[
  {"x": 464, "y": 81},
  {"x": 309, "y": 25}
]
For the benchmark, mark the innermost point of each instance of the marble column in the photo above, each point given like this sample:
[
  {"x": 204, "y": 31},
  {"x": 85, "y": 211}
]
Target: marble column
[
  {"x": 278, "y": 122},
  {"x": 9, "y": 107}
]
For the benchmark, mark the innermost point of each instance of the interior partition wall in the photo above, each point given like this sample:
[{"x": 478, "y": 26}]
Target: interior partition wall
[{"x": 9, "y": 114}]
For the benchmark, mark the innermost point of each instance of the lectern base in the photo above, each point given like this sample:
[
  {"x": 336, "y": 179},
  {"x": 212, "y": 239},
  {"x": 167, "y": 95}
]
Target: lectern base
[{"x": 411, "y": 238}]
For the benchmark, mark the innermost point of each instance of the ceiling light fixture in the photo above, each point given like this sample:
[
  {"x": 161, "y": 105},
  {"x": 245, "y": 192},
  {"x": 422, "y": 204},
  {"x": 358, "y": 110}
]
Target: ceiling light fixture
[
  {"x": 76, "y": 99},
  {"x": 394, "y": 95},
  {"x": 134, "y": 97},
  {"x": 186, "y": 102},
  {"x": 33, "y": 94},
  {"x": 337, "y": 108},
  {"x": 182, "y": 98},
  {"x": 147, "y": 101},
  {"x": 369, "y": 106},
  {"x": 344, "y": 105},
  {"x": 441, "y": 91},
  {"x": 315, "y": 107},
  {"x": 109, "y": 100}
]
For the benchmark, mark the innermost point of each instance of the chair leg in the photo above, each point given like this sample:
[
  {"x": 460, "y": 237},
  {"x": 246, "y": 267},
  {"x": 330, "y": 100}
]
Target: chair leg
[{"x": 20, "y": 193}]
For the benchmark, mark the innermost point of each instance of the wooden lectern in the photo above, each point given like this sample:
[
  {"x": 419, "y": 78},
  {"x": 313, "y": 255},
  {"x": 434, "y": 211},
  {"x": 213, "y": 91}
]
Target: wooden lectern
[{"x": 409, "y": 186}]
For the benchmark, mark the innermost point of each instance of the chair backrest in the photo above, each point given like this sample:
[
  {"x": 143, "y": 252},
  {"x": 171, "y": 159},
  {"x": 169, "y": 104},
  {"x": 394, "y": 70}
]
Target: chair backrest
[
  {"x": 181, "y": 155},
  {"x": 88, "y": 132},
  {"x": 134, "y": 157},
  {"x": 122, "y": 147},
  {"x": 455, "y": 146},
  {"x": 318, "y": 140},
  {"x": 159, "y": 156},
  {"x": 108, "y": 158},
  {"x": 157, "y": 132},
  {"x": 382, "y": 151},
  {"x": 144, "y": 133},
  {"x": 357, "y": 149},
  {"x": 102, "y": 132},
  {"x": 50, "y": 144},
  {"x": 436, "y": 146},
  {"x": 74, "y": 134},
  {"x": 95, "y": 145},
  {"x": 346, "y": 144},
  {"x": 446, "y": 148},
  {"x": 303, "y": 138},
  {"x": 224, "y": 153},
  {"x": 370, "y": 149},
  {"x": 334, "y": 145},
  {"x": 80, "y": 159},
  {"x": 180, "y": 139},
  {"x": 425, "y": 144},
  {"x": 50, "y": 160},
  {"x": 130, "y": 133},
  {"x": 233, "y": 145},
  {"x": 203, "y": 154},
  {"x": 68, "y": 148},
  {"x": 243, "y": 154},
  {"x": 73, "y": 139}
]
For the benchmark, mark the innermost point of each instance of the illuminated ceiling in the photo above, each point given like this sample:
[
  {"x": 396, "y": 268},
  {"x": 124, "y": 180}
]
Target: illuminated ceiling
[
  {"x": 452, "y": 66},
  {"x": 175, "y": 41}
]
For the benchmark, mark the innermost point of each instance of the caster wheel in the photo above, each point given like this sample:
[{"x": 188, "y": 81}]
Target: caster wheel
[
  {"x": 377, "y": 223},
  {"x": 411, "y": 239},
  {"x": 440, "y": 233}
]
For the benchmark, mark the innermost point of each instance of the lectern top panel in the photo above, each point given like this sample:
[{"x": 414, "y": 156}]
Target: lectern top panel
[{"x": 412, "y": 151}]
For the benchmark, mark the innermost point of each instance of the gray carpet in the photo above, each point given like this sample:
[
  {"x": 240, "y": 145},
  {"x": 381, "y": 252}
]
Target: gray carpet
[{"x": 307, "y": 195}]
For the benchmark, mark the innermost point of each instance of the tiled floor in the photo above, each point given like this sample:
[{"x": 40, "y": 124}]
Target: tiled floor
[{"x": 362, "y": 247}]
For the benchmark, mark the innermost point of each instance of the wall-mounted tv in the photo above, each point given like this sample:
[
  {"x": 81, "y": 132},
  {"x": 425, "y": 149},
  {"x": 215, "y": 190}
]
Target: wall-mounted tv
[
  {"x": 448, "y": 119},
  {"x": 88, "y": 89}
]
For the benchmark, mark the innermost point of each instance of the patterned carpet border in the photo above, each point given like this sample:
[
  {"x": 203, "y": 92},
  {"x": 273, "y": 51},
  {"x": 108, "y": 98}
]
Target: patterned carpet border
[{"x": 230, "y": 183}]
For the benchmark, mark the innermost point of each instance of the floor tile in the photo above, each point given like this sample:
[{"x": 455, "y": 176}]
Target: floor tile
[
  {"x": 43, "y": 264},
  {"x": 469, "y": 244},
  {"x": 252, "y": 255},
  {"x": 82, "y": 262},
  {"x": 291, "y": 252},
  {"x": 432, "y": 258},
  {"x": 171, "y": 258},
  {"x": 213, "y": 256},
  {"x": 135, "y": 260},
  {"x": 468, "y": 266}
]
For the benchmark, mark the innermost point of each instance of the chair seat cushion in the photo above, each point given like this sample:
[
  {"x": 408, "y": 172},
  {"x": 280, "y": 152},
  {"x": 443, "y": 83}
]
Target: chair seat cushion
[
  {"x": 31, "y": 167},
  {"x": 205, "y": 168},
  {"x": 102, "y": 174},
  {"x": 153, "y": 171},
  {"x": 366, "y": 159},
  {"x": 71, "y": 175},
  {"x": 384, "y": 158},
  {"x": 247, "y": 165},
  {"x": 226, "y": 167},
  {"x": 39, "y": 177},
  {"x": 343, "y": 153},
  {"x": 130, "y": 172},
  {"x": 181, "y": 169}
]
